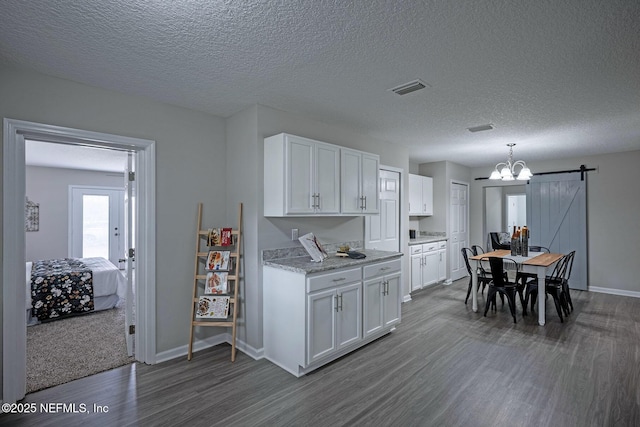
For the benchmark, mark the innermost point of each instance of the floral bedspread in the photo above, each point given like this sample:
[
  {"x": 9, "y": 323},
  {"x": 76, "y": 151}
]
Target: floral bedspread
[{"x": 60, "y": 287}]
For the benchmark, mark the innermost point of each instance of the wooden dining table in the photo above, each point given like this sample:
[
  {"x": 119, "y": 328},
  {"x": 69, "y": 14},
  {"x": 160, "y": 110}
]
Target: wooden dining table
[{"x": 536, "y": 262}]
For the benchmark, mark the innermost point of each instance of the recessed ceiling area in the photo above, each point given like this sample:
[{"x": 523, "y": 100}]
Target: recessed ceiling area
[
  {"x": 560, "y": 79},
  {"x": 55, "y": 155}
]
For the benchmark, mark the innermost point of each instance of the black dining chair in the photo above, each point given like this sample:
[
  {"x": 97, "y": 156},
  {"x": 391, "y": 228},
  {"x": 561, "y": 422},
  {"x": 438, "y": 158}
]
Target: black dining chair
[
  {"x": 495, "y": 241},
  {"x": 525, "y": 277},
  {"x": 554, "y": 286},
  {"x": 477, "y": 249},
  {"x": 504, "y": 272},
  {"x": 484, "y": 278},
  {"x": 565, "y": 282}
]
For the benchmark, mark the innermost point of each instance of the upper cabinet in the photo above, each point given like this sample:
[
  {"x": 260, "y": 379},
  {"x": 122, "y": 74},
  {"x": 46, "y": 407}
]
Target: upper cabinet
[
  {"x": 359, "y": 183},
  {"x": 303, "y": 177},
  {"x": 420, "y": 195}
]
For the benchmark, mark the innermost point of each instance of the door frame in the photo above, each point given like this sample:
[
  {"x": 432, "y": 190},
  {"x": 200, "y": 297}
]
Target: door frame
[{"x": 13, "y": 251}]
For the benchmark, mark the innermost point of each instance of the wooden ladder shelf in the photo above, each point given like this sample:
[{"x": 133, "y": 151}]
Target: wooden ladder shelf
[{"x": 201, "y": 273}]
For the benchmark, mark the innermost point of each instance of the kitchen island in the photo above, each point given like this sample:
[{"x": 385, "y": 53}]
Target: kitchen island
[{"x": 317, "y": 312}]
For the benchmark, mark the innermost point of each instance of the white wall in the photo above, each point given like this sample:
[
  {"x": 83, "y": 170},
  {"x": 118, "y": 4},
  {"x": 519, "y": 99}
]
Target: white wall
[
  {"x": 613, "y": 203},
  {"x": 190, "y": 167},
  {"x": 49, "y": 187}
]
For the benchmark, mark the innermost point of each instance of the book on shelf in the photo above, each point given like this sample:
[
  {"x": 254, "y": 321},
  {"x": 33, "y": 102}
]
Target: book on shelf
[
  {"x": 313, "y": 247},
  {"x": 213, "y": 307},
  {"x": 216, "y": 283},
  {"x": 218, "y": 260},
  {"x": 219, "y": 237}
]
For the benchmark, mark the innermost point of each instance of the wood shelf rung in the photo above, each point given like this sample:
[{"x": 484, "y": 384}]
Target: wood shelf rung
[{"x": 214, "y": 323}]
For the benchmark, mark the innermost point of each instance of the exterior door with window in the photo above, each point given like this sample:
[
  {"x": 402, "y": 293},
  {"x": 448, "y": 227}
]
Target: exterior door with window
[{"x": 96, "y": 223}]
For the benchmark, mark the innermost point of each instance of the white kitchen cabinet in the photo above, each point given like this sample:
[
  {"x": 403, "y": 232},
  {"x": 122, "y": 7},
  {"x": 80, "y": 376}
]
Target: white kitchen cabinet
[
  {"x": 312, "y": 319},
  {"x": 359, "y": 184},
  {"x": 381, "y": 297},
  {"x": 416, "y": 267},
  {"x": 301, "y": 176},
  {"x": 420, "y": 195},
  {"x": 333, "y": 320},
  {"x": 428, "y": 264},
  {"x": 442, "y": 261}
]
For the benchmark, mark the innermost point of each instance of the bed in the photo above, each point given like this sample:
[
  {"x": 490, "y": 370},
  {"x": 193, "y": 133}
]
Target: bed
[{"x": 93, "y": 284}]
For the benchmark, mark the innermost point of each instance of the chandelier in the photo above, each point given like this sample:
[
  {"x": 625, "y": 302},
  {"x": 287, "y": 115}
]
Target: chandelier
[{"x": 507, "y": 170}]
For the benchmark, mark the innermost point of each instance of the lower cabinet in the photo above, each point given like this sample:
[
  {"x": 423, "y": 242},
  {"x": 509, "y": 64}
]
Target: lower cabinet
[
  {"x": 334, "y": 320},
  {"x": 310, "y": 320},
  {"x": 428, "y": 264},
  {"x": 381, "y": 303}
]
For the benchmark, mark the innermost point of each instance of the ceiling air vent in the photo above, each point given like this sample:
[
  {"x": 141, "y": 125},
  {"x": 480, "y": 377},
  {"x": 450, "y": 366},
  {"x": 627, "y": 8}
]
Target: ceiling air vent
[
  {"x": 480, "y": 128},
  {"x": 409, "y": 87}
]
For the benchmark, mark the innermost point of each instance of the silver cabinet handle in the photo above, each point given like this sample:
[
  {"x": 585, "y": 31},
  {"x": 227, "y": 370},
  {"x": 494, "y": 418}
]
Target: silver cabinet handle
[
  {"x": 339, "y": 279},
  {"x": 384, "y": 268},
  {"x": 365, "y": 203},
  {"x": 318, "y": 205},
  {"x": 336, "y": 296},
  {"x": 341, "y": 302}
]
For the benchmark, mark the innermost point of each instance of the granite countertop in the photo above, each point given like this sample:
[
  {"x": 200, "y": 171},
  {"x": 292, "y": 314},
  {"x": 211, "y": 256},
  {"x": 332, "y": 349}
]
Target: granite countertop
[
  {"x": 426, "y": 239},
  {"x": 304, "y": 264}
]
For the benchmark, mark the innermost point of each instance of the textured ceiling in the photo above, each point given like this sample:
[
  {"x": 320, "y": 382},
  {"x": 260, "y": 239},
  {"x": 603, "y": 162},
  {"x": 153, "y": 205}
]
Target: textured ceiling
[{"x": 559, "y": 78}]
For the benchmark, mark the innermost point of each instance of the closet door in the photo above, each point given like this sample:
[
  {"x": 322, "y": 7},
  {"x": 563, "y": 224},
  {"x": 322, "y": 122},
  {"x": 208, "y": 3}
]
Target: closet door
[{"x": 557, "y": 219}]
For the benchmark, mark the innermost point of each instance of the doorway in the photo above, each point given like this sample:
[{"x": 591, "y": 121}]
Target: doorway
[
  {"x": 14, "y": 298},
  {"x": 516, "y": 211}
]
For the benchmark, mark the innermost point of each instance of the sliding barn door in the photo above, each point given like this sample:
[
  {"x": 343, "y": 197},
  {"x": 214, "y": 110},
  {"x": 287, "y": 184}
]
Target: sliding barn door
[{"x": 557, "y": 218}]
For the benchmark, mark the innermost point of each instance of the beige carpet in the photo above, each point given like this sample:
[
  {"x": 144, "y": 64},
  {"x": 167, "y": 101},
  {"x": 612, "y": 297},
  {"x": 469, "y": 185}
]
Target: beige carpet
[{"x": 68, "y": 349}]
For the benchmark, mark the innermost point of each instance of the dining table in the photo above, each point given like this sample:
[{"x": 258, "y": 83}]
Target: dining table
[{"x": 534, "y": 262}]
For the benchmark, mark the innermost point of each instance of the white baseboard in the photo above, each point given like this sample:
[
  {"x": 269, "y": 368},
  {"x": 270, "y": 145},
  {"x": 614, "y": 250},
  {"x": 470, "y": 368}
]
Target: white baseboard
[
  {"x": 406, "y": 298},
  {"x": 634, "y": 294},
  {"x": 198, "y": 345}
]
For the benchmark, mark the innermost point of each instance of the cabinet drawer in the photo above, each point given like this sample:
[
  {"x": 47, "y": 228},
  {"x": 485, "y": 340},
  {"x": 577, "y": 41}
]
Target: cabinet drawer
[
  {"x": 333, "y": 279},
  {"x": 415, "y": 249},
  {"x": 429, "y": 247},
  {"x": 442, "y": 245},
  {"x": 381, "y": 268}
]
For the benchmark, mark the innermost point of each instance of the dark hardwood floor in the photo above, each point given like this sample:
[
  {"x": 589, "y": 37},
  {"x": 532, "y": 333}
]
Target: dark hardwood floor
[{"x": 443, "y": 366}]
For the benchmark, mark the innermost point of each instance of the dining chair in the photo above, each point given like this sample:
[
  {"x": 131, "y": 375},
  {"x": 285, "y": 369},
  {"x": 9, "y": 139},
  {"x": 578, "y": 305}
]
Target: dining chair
[
  {"x": 567, "y": 275},
  {"x": 484, "y": 278},
  {"x": 504, "y": 272},
  {"x": 525, "y": 277},
  {"x": 477, "y": 249},
  {"x": 554, "y": 286},
  {"x": 496, "y": 243}
]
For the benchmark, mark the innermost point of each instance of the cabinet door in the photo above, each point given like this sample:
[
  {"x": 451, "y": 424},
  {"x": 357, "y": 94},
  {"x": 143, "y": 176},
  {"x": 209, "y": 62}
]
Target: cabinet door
[
  {"x": 350, "y": 166},
  {"x": 299, "y": 182},
  {"x": 415, "y": 194},
  {"x": 321, "y": 324},
  {"x": 327, "y": 179},
  {"x": 392, "y": 300},
  {"x": 442, "y": 264},
  {"x": 349, "y": 315},
  {"x": 373, "y": 312},
  {"x": 370, "y": 190},
  {"x": 416, "y": 272},
  {"x": 430, "y": 268},
  {"x": 427, "y": 195}
]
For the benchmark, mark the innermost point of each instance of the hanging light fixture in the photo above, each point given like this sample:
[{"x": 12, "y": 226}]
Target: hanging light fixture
[{"x": 506, "y": 171}]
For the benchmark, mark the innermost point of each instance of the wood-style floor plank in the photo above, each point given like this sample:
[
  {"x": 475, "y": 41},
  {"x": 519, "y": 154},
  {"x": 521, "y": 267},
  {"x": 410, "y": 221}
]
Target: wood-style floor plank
[{"x": 444, "y": 365}]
